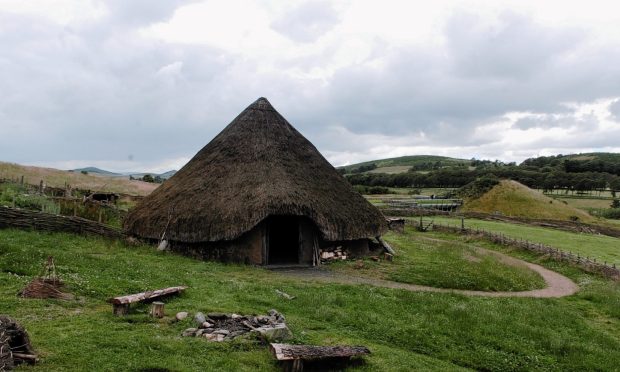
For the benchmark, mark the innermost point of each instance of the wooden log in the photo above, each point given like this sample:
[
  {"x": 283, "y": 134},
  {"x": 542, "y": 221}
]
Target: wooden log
[
  {"x": 142, "y": 296},
  {"x": 385, "y": 245},
  {"x": 287, "y": 352},
  {"x": 28, "y": 358},
  {"x": 120, "y": 309},
  {"x": 157, "y": 309}
]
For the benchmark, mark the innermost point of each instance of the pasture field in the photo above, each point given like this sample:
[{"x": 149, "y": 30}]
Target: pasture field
[
  {"x": 444, "y": 265},
  {"x": 587, "y": 204},
  {"x": 601, "y": 247},
  {"x": 404, "y": 330},
  {"x": 59, "y": 178}
]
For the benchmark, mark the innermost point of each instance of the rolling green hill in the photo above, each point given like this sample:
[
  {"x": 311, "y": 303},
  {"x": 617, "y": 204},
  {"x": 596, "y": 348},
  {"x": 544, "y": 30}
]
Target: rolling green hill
[{"x": 404, "y": 163}]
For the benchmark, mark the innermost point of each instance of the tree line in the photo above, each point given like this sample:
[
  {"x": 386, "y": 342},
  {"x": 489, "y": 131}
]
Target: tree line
[{"x": 546, "y": 179}]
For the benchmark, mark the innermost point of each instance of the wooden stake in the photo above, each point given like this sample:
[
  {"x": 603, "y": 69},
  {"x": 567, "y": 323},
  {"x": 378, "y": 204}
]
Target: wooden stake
[
  {"x": 120, "y": 309},
  {"x": 157, "y": 310}
]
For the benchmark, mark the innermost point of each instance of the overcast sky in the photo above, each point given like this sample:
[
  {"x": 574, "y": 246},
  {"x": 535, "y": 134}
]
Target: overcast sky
[{"x": 142, "y": 85}]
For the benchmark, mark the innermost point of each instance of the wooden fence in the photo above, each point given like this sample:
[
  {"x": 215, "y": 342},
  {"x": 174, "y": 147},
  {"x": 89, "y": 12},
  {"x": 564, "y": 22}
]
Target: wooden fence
[
  {"x": 26, "y": 219},
  {"x": 586, "y": 263}
]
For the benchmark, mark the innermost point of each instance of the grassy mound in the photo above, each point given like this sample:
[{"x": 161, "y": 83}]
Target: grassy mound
[
  {"x": 511, "y": 198},
  {"x": 445, "y": 265},
  {"x": 404, "y": 330}
]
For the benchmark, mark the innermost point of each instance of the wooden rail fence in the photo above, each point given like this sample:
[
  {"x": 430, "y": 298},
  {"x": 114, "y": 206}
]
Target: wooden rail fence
[
  {"x": 586, "y": 263},
  {"x": 26, "y": 219}
]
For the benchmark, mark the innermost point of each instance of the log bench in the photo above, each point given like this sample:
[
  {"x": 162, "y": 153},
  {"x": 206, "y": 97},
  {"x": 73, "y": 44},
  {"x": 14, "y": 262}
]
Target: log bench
[
  {"x": 120, "y": 305},
  {"x": 294, "y": 357}
]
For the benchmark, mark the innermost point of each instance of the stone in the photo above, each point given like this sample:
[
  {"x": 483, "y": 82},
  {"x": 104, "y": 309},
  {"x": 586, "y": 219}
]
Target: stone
[
  {"x": 214, "y": 337},
  {"x": 277, "y": 332},
  {"x": 199, "y": 318},
  {"x": 199, "y": 332},
  {"x": 236, "y": 316},
  {"x": 206, "y": 325},
  {"x": 221, "y": 332},
  {"x": 181, "y": 315},
  {"x": 189, "y": 332},
  {"x": 163, "y": 246}
]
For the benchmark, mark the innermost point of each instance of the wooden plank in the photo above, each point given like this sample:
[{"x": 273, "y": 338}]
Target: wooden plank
[
  {"x": 385, "y": 245},
  {"x": 142, "y": 296},
  {"x": 311, "y": 352}
]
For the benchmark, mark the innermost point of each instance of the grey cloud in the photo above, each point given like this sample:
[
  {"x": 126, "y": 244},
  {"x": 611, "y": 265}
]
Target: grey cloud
[
  {"x": 307, "y": 22},
  {"x": 547, "y": 121},
  {"x": 515, "y": 48},
  {"x": 421, "y": 90}
]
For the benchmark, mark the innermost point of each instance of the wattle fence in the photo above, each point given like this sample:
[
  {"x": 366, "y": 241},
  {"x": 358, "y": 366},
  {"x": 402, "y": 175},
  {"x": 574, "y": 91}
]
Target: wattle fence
[
  {"x": 586, "y": 263},
  {"x": 26, "y": 219}
]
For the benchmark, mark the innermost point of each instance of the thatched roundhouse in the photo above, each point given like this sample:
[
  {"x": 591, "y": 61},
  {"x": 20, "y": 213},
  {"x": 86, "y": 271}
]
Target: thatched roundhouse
[{"x": 258, "y": 193}]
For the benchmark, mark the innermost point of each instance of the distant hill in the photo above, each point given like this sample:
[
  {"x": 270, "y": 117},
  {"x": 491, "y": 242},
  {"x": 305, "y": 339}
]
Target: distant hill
[
  {"x": 97, "y": 171},
  {"x": 602, "y": 162},
  {"x": 404, "y": 163},
  {"x": 513, "y": 199},
  {"x": 59, "y": 178}
]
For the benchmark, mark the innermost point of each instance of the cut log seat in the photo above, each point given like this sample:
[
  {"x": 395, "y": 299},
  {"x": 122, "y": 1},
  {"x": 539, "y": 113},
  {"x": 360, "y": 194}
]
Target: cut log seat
[
  {"x": 294, "y": 357},
  {"x": 120, "y": 304}
]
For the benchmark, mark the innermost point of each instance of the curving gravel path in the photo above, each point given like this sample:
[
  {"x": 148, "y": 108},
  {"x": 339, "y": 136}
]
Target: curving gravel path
[{"x": 557, "y": 285}]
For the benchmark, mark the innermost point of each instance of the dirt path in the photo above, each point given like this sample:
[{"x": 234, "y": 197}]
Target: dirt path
[{"x": 557, "y": 285}]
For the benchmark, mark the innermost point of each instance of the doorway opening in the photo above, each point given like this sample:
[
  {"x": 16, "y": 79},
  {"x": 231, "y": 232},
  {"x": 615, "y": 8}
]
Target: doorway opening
[{"x": 283, "y": 240}]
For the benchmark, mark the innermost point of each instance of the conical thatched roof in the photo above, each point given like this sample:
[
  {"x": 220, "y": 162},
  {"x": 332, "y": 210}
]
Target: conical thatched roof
[{"x": 258, "y": 166}]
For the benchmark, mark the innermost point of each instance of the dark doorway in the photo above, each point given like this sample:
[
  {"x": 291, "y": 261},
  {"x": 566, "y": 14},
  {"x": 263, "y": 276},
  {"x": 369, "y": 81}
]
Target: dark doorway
[{"x": 283, "y": 240}]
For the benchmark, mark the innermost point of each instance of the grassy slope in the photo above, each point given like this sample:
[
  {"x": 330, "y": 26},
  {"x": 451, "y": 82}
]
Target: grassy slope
[
  {"x": 601, "y": 247},
  {"x": 514, "y": 199},
  {"x": 444, "y": 265},
  {"x": 58, "y": 178},
  {"x": 409, "y": 161},
  {"x": 405, "y": 330}
]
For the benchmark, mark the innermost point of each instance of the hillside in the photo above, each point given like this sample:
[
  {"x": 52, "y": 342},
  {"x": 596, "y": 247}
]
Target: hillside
[
  {"x": 58, "y": 178},
  {"x": 404, "y": 163},
  {"x": 511, "y": 198},
  {"x": 604, "y": 162},
  {"x": 102, "y": 172},
  {"x": 97, "y": 171}
]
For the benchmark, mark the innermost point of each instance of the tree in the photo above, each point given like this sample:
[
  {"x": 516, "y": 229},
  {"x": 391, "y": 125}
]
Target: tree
[
  {"x": 148, "y": 178},
  {"x": 615, "y": 203}
]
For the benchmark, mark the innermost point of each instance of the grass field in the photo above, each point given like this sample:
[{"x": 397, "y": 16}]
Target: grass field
[
  {"x": 59, "y": 178},
  {"x": 601, "y": 247},
  {"x": 404, "y": 330},
  {"x": 444, "y": 265}
]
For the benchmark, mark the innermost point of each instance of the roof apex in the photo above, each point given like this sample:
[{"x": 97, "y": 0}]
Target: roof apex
[{"x": 261, "y": 104}]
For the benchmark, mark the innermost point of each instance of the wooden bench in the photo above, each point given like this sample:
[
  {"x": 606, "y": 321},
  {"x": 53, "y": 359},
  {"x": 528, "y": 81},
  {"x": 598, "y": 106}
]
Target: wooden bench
[
  {"x": 120, "y": 305},
  {"x": 293, "y": 357}
]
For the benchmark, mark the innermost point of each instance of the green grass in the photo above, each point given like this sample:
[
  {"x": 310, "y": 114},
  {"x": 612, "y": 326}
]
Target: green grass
[
  {"x": 601, "y": 247},
  {"x": 404, "y": 330},
  {"x": 445, "y": 265}
]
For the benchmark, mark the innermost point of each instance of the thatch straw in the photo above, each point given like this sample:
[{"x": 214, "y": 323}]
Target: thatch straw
[{"x": 258, "y": 166}]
